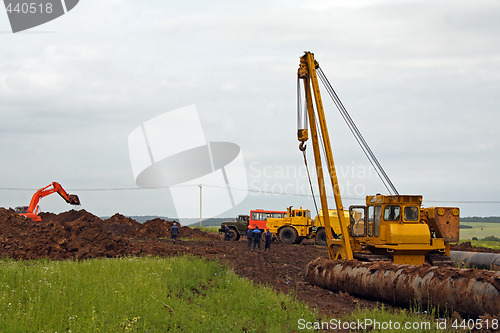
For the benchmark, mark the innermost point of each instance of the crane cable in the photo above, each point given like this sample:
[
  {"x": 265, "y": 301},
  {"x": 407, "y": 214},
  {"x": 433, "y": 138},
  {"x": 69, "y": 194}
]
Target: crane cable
[
  {"x": 357, "y": 134},
  {"x": 310, "y": 183},
  {"x": 303, "y": 147}
]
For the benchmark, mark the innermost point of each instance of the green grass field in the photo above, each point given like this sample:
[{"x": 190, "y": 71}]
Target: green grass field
[
  {"x": 138, "y": 294},
  {"x": 488, "y": 244},
  {"x": 479, "y": 230},
  {"x": 213, "y": 229}
]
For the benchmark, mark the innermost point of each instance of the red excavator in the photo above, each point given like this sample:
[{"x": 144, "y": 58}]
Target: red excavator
[{"x": 32, "y": 210}]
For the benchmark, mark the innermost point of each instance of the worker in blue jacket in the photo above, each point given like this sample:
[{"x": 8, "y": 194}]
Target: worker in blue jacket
[
  {"x": 226, "y": 233},
  {"x": 268, "y": 238},
  {"x": 174, "y": 232},
  {"x": 249, "y": 238},
  {"x": 257, "y": 235}
]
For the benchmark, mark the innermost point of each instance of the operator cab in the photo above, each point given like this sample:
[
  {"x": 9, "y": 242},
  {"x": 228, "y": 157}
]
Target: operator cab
[
  {"x": 365, "y": 221},
  {"x": 21, "y": 209},
  {"x": 243, "y": 218}
]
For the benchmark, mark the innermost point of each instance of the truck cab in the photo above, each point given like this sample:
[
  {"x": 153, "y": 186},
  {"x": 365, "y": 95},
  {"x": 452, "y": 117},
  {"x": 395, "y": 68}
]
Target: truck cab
[{"x": 237, "y": 227}]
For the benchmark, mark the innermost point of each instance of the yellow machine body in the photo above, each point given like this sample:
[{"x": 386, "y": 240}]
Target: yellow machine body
[
  {"x": 397, "y": 226},
  {"x": 319, "y": 221},
  {"x": 296, "y": 219},
  {"x": 300, "y": 220}
]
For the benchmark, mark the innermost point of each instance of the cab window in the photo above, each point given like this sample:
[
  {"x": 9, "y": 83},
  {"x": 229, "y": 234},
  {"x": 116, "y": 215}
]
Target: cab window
[
  {"x": 358, "y": 225},
  {"x": 411, "y": 213},
  {"x": 255, "y": 216},
  {"x": 371, "y": 224},
  {"x": 392, "y": 213},
  {"x": 377, "y": 214},
  {"x": 374, "y": 215}
]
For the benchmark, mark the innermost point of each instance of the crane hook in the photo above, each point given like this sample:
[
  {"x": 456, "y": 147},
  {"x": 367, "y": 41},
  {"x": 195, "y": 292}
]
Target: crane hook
[{"x": 302, "y": 146}]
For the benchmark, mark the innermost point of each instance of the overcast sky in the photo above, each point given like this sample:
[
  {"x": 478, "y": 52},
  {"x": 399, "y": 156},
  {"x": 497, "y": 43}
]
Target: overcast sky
[{"x": 421, "y": 79}]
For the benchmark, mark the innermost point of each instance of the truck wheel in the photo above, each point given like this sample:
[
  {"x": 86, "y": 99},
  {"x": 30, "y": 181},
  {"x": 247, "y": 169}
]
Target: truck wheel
[
  {"x": 288, "y": 235},
  {"x": 298, "y": 240},
  {"x": 321, "y": 237},
  {"x": 233, "y": 235}
]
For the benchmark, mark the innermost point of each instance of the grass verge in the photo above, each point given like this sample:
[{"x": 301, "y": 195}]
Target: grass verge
[
  {"x": 139, "y": 294},
  {"x": 211, "y": 229}
]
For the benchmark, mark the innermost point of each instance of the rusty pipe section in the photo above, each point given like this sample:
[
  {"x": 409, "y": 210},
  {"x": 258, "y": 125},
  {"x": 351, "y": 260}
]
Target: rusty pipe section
[
  {"x": 476, "y": 259},
  {"x": 467, "y": 291}
]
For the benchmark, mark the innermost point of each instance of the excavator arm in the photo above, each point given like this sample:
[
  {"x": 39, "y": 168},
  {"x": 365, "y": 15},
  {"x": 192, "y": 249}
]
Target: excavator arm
[{"x": 32, "y": 210}]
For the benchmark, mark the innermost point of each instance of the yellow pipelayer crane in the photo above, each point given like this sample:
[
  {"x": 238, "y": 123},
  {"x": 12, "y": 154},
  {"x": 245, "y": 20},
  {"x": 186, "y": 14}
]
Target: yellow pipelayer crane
[{"x": 394, "y": 226}]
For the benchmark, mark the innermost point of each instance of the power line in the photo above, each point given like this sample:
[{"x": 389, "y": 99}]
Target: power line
[{"x": 245, "y": 190}]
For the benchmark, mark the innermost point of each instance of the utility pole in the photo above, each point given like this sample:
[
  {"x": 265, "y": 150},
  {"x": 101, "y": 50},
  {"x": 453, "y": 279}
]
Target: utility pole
[{"x": 200, "y": 203}]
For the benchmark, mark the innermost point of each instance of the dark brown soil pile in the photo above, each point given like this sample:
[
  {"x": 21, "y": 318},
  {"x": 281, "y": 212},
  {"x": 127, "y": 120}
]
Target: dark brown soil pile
[
  {"x": 120, "y": 225},
  {"x": 467, "y": 246},
  {"x": 80, "y": 235},
  {"x": 73, "y": 234}
]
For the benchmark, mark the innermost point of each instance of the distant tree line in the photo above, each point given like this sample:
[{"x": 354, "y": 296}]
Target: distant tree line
[
  {"x": 218, "y": 220},
  {"x": 491, "y": 219},
  {"x": 191, "y": 222}
]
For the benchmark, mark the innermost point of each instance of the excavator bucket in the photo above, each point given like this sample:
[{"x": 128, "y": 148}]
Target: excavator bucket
[{"x": 74, "y": 200}]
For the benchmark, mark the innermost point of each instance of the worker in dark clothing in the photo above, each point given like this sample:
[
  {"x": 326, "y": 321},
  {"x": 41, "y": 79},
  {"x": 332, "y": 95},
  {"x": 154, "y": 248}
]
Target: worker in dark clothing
[
  {"x": 174, "y": 232},
  {"x": 226, "y": 233},
  {"x": 249, "y": 238},
  {"x": 257, "y": 235},
  {"x": 269, "y": 238}
]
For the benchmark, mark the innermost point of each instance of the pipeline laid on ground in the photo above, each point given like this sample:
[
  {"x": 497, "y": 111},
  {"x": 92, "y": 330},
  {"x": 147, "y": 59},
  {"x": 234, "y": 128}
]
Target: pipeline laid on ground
[
  {"x": 467, "y": 291},
  {"x": 476, "y": 259}
]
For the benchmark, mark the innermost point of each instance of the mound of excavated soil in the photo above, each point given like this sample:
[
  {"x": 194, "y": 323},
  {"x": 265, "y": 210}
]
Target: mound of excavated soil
[
  {"x": 80, "y": 234},
  {"x": 152, "y": 229},
  {"x": 73, "y": 234}
]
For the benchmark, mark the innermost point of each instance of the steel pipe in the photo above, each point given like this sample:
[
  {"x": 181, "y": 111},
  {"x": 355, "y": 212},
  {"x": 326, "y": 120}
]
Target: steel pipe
[
  {"x": 476, "y": 259},
  {"x": 467, "y": 291}
]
